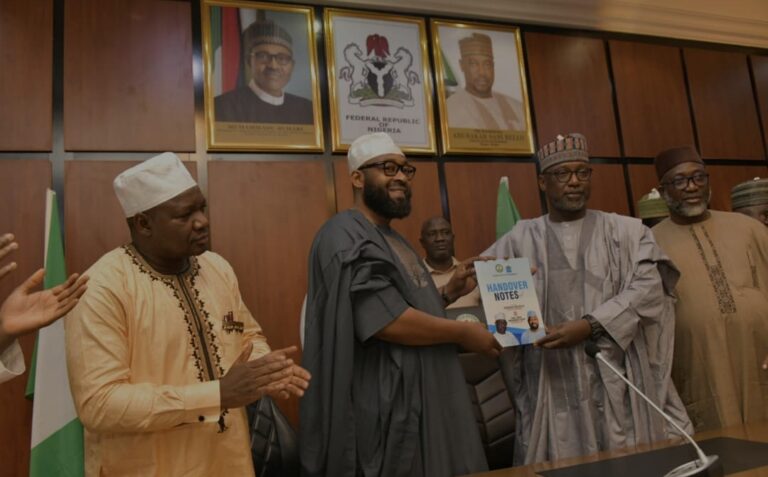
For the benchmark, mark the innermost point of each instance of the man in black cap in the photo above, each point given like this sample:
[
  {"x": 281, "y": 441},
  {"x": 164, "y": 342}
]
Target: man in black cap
[
  {"x": 268, "y": 54},
  {"x": 721, "y": 330}
]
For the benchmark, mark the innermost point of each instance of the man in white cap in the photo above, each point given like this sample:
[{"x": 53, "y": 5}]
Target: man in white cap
[
  {"x": 599, "y": 276},
  {"x": 477, "y": 105},
  {"x": 389, "y": 398},
  {"x": 161, "y": 350}
]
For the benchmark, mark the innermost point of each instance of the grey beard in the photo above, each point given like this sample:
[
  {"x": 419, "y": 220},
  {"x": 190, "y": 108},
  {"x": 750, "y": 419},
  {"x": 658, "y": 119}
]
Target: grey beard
[
  {"x": 567, "y": 206},
  {"x": 682, "y": 209}
]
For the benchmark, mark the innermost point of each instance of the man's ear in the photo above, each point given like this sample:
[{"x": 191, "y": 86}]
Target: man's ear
[
  {"x": 542, "y": 183},
  {"x": 357, "y": 178},
  {"x": 142, "y": 224}
]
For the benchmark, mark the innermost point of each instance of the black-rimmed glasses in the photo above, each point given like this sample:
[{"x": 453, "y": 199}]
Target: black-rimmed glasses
[
  {"x": 681, "y": 182},
  {"x": 391, "y": 168},
  {"x": 563, "y": 176}
]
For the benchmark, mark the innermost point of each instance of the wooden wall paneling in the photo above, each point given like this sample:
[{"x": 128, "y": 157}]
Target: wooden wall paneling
[
  {"x": 425, "y": 201},
  {"x": 760, "y": 75},
  {"x": 723, "y": 105},
  {"x": 94, "y": 220},
  {"x": 26, "y": 75},
  {"x": 721, "y": 180},
  {"x": 22, "y": 192},
  {"x": 472, "y": 191},
  {"x": 642, "y": 178},
  {"x": 609, "y": 190},
  {"x": 128, "y": 82},
  {"x": 264, "y": 216},
  {"x": 651, "y": 97},
  {"x": 571, "y": 90}
]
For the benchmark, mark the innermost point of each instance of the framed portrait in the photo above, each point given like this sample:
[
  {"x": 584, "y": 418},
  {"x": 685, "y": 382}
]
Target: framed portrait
[
  {"x": 260, "y": 66},
  {"x": 481, "y": 89},
  {"x": 379, "y": 79}
]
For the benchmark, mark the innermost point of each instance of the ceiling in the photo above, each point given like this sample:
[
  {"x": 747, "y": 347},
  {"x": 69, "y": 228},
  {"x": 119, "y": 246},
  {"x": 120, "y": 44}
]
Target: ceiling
[{"x": 735, "y": 22}]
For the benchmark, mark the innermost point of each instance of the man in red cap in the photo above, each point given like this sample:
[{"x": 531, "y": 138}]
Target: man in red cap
[{"x": 721, "y": 333}]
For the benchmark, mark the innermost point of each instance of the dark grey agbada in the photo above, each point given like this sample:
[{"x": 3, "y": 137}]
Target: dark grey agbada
[{"x": 376, "y": 408}]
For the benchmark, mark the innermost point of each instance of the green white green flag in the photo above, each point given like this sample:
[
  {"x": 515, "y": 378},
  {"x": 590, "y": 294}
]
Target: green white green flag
[
  {"x": 57, "y": 435},
  {"x": 507, "y": 214}
]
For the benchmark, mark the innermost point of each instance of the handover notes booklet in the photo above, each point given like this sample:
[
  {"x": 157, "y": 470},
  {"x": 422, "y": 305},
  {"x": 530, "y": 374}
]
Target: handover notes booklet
[{"x": 509, "y": 300}]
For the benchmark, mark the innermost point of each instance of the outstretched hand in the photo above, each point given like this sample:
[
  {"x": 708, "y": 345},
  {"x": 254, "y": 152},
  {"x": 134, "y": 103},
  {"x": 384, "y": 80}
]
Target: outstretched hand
[
  {"x": 464, "y": 279},
  {"x": 26, "y": 310},
  {"x": 7, "y": 245}
]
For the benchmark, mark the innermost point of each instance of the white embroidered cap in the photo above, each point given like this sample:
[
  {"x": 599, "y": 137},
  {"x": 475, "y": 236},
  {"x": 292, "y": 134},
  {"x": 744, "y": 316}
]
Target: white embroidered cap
[
  {"x": 368, "y": 146},
  {"x": 151, "y": 183}
]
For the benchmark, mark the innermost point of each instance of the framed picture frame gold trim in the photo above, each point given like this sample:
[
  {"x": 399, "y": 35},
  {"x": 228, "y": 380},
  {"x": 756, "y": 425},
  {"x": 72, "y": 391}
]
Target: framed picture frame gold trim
[
  {"x": 480, "y": 140},
  {"x": 255, "y": 136},
  {"x": 339, "y": 144}
]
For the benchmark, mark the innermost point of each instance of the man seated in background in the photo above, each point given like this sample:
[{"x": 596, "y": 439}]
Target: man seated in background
[
  {"x": 162, "y": 352},
  {"x": 721, "y": 331},
  {"x": 751, "y": 199},
  {"x": 599, "y": 276},
  {"x": 25, "y": 311},
  {"x": 437, "y": 241}
]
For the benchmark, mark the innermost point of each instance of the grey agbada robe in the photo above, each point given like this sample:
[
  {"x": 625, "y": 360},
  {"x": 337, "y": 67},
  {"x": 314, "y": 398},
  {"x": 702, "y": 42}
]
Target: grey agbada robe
[
  {"x": 567, "y": 403},
  {"x": 376, "y": 408}
]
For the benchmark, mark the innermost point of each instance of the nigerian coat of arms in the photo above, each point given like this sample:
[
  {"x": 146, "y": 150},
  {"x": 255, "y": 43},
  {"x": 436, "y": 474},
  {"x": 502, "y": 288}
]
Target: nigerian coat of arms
[{"x": 376, "y": 77}]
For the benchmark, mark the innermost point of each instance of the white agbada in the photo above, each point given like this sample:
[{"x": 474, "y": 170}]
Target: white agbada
[{"x": 568, "y": 404}]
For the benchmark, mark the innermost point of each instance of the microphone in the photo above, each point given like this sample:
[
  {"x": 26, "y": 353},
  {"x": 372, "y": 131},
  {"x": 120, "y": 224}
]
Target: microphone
[{"x": 703, "y": 466}]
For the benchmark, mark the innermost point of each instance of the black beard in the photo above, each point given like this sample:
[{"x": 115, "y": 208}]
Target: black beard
[{"x": 377, "y": 199}]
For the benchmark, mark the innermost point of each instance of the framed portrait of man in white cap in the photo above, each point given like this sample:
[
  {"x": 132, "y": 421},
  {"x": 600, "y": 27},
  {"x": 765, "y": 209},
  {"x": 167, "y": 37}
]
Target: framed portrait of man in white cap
[
  {"x": 379, "y": 79},
  {"x": 481, "y": 88},
  {"x": 261, "y": 88}
]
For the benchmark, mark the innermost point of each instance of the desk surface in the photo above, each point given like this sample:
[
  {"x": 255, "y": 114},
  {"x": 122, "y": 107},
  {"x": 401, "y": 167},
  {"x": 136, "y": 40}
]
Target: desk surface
[{"x": 753, "y": 432}]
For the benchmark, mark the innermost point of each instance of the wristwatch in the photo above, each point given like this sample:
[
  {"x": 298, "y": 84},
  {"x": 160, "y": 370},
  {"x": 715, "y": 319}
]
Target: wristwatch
[{"x": 597, "y": 329}]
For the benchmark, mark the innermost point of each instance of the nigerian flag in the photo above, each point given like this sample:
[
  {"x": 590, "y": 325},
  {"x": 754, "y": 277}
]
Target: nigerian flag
[
  {"x": 506, "y": 210},
  {"x": 57, "y": 435}
]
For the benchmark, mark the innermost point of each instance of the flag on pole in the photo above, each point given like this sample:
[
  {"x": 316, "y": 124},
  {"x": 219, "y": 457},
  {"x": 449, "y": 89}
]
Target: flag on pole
[
  {"x": 57, "y": 435},
  {"x": 507, "y": 214}
]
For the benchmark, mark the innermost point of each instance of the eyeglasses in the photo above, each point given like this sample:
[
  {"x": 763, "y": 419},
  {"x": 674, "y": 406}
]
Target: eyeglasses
[
  {"x": 563, "y": 176},
  {"x": 391, "y": 168},
  {"x": 263, "y": 57},
  {"x": 681, "y": 182}
]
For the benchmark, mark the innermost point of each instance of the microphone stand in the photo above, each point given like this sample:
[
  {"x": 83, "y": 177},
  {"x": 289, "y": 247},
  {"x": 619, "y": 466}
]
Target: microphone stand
[{"x": 703, "y": 466}]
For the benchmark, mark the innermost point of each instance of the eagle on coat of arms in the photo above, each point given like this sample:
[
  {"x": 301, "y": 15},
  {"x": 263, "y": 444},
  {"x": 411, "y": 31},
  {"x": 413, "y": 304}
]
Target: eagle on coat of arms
[{"x": 378, "y": 78}]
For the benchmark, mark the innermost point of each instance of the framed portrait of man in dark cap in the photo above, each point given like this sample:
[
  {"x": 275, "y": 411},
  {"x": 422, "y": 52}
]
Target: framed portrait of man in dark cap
[
  {"x": 379, "y": 79},
  {"x": 261, "y": 89},
  {"x": 481, "y": 88}
]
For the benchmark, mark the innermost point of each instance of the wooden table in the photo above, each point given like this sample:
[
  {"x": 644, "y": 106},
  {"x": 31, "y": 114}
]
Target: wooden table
[{"x": 752, "y": 432}]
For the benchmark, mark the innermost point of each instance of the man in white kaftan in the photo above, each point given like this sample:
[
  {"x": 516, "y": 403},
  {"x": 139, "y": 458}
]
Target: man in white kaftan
[{"x": 599, "y": 276}]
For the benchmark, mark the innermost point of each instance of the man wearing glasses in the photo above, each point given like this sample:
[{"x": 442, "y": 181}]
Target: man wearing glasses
[
  {"x": 390, "y": 398},
  {"x": 268, "y": 54},
  {"x": 601, "y": 277},
  {"x": 722, "y": 307}
]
